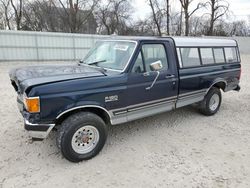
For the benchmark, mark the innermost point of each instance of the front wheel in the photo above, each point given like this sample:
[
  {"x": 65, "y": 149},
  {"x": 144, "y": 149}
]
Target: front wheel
[
  {"x": 81, "y": 136},
  {"x": 211, "y": 103}
]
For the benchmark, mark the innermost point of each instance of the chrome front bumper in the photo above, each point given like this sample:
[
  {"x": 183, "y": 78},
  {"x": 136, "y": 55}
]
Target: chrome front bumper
[{"x": 40, "y": 131}]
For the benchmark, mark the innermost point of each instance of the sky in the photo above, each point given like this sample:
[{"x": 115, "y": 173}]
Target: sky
[{"x": 240, "y": 8}]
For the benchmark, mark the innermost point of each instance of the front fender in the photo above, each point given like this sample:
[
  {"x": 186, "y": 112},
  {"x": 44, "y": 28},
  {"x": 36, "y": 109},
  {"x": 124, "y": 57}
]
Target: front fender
[{"x": 86, "y": 104}]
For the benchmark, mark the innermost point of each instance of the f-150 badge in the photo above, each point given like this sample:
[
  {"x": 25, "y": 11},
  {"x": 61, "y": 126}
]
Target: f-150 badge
[{"x": 111, "y": 98}]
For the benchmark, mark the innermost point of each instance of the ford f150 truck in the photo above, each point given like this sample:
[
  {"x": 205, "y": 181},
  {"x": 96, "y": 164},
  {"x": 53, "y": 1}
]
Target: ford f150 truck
[{"x": 120, "y": 80}]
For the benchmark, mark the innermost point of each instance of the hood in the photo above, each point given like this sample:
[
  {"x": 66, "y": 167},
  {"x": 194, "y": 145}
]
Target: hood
[{"x": 25, "y": 77}]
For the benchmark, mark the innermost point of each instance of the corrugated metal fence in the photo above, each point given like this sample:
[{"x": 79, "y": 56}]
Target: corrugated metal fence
[
  {"x": 41, "y": 46},
  {"x": 45, "y": 46}
]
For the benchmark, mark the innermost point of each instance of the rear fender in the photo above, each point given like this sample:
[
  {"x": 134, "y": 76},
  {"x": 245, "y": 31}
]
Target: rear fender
[{"x": 219, "y": 83}]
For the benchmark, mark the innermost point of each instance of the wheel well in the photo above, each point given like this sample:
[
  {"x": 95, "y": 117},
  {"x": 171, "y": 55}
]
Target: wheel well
[
  {"x": 220, "y": 85},
  {"x": 98, "y": 111}
]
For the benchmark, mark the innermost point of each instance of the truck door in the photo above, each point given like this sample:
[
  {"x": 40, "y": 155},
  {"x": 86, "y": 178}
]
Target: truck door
[{"x": 150, "y": 91}]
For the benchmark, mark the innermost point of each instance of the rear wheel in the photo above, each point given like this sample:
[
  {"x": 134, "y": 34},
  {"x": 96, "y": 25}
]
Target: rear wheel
[
  {"x": 211, "y": 103},
  {"x": 81, "y": 136}
]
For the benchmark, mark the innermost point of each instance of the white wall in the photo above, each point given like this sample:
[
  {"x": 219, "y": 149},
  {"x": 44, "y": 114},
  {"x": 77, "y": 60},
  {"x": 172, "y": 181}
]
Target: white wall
[
  {"x": 41, "y": 46},
  {"x": 244, "y": 44},
  {"x": 46, "y": 46}
]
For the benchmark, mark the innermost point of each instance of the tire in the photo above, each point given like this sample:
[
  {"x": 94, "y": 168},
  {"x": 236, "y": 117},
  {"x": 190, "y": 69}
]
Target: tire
[
  {"x": 211, "y": 103},
  {"x": 81, "y": 136}
]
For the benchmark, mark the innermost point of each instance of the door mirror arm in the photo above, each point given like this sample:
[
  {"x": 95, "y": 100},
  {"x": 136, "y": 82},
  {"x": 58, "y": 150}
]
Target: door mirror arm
[
  {"x": 152, "y": 85},
  {"x": 156, "y": 67}
]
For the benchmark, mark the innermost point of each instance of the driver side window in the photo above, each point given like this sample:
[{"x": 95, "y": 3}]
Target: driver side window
[
  {"x": 151, "y": 53},
  {"x": 138, "y": 66}
]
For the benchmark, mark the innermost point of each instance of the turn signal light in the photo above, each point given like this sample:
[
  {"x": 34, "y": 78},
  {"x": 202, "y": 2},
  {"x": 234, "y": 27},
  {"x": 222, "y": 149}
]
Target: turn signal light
[{"x": 32, "y": 104}]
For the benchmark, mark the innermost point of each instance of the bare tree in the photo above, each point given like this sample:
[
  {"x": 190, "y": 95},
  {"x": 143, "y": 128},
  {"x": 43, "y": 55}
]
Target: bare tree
[
  {"x": 160, "y": 11},
  {"x": 7, "y": 15},
  {"x": 218, "y": 8},
  {"x": 180, "y": 23},
  {"x": 18, "y": 12},
  {"x": 187, "y": 13},
  {"x": 103, "y": 13},
  {"x": 74, "y": 19},
  {"x": 239, "y": 28},
  {"x": 113, "y": 17},
  {"x": 156, "y": 13},
  {"x": 175, "y": 23},
  {"x": 2, "y": 22},
  {"x": 49, "y": 15},
  {"x": 197, "y": 26},
  {"x": 39, "y": 15},
  {"x": 168, "y": 15},
  {"x": 143, "y": 27}
]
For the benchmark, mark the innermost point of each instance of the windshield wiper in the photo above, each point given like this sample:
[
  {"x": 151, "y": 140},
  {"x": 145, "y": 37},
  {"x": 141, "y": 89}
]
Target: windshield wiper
[
  {"x": 101, "y": 69},
  {"x": 96, "y": 62}
]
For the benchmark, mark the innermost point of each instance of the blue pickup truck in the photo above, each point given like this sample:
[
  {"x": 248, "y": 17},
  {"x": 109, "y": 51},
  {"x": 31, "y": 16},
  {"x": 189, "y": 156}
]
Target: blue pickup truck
[{"x": 121, "y": 80}]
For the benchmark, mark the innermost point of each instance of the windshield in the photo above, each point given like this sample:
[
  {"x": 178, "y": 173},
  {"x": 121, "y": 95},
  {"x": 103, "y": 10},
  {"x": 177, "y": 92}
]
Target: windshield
[{"x": 110, "y": 54}]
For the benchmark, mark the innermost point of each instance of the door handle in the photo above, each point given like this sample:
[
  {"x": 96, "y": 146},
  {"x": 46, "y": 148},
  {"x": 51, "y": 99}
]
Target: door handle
[
  {"x": 170, "y": 76},
  {"x": 146, "y": 74}
]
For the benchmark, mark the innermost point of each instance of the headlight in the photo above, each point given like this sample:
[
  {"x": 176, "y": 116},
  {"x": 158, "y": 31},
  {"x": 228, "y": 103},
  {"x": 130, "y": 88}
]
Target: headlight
[{"x": 32, "y": 104}]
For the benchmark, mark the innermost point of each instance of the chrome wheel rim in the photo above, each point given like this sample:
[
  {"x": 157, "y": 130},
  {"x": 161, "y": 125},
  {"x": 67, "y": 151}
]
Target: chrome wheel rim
[
  {"x": 214, "y": 102},
  {"x": 85, "y": 139}
]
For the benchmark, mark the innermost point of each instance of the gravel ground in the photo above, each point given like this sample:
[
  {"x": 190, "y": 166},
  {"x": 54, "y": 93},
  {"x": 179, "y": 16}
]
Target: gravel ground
[{"x": 176, "y": 149}]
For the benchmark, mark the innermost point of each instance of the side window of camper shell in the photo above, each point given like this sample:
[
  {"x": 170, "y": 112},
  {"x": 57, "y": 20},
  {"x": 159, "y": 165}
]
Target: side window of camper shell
[
  {"x": 202, "y": 56},
  {"x": 189, "y": 57},
  {"x": 231, "y": 55}
]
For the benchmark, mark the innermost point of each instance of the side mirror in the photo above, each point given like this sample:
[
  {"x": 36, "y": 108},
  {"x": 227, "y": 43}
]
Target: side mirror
[{"x": 156, "y": 66}]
